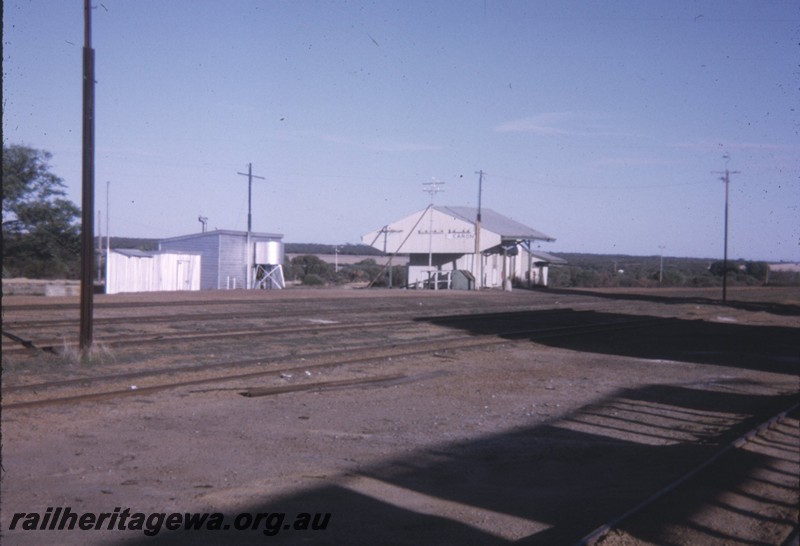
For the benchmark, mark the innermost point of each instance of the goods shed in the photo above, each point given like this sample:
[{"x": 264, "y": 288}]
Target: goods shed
[
  {"x": 441, "y": 240},
  {"x": 233, "y": 259}
]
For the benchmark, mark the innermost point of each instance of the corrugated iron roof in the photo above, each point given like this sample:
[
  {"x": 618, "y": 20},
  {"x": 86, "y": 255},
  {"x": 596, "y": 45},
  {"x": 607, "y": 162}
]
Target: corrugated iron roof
[
  {"x": 216, "y": 232},
  {"x": 495, "y": 222},
  {"x": 135, "y": 252},
  {"x": 549, "y": 258}
]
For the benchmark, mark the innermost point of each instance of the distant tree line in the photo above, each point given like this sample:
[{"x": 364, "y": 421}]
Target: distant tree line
[
  {"x": 348, "y": 249},
  {"x": 310, "y": 270},
  {"x": 41, "y": 239},
  {"x": 596, "y": 271}
]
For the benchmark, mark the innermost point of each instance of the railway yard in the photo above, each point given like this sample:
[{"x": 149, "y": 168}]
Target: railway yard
[{"x": 615, "y": 417}]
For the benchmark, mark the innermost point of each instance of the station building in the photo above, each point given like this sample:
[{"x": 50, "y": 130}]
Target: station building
[{"x": 448, "y": 248}]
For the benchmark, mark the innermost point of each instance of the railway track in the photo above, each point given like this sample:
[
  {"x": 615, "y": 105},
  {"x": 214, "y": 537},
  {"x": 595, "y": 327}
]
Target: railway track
[
  {"x": 239, "y": 354},
  {"x": 26, "y": 328},
  {"x": 773, "y": 434},
  {"x": 33, "y": 335},
  {"x": 121, "y": 340},
  {"x": 103, "y": 387}
]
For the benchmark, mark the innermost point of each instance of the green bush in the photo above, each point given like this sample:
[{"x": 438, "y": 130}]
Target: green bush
[
  {"x": 312, "y": 279},
  {"x": 302, "y": 266}
]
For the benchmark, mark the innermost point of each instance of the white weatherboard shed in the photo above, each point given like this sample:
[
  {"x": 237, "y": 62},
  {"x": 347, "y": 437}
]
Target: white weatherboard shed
[
  {"x": 442, "y": 239},
  {"x": 131, "y": 270}
]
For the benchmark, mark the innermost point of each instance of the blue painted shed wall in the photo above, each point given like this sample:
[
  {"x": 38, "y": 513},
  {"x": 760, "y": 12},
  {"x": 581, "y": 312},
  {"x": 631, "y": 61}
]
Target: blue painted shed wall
[
  {"x": 223, "y": 255},
  {"x": 208, "y": 247},
  {"x": 232, "y": 261}
]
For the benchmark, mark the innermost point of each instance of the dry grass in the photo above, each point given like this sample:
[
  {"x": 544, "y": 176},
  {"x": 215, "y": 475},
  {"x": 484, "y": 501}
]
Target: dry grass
[{"x": 97, "y": 353}]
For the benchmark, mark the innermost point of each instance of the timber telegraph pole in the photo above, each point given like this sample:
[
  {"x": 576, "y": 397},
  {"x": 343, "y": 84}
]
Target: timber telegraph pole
[
  {"x": 727, "y": 180},
  {"x": 478, "y": 257},
  {"x": 432, "y": 188},
  {"x": 87, "y": 189},
  {"x": 248, "y": 251},
  {"x": 250, "y": 176}
]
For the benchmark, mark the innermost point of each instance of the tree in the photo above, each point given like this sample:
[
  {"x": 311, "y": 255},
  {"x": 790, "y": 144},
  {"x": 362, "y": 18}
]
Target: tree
[
  {"x": 718, "y": 268},
  {"x": 310, "y": 265},
  {"x": 41, "y": 236},
  {"x": 759, "y": 270}
]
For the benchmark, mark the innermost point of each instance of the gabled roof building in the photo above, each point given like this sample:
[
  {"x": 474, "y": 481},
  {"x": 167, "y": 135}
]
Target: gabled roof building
[
  {"x": 213, "y": 260},
  {"x": 441, "y": 240},
  {"x": 233, "y": 259}
]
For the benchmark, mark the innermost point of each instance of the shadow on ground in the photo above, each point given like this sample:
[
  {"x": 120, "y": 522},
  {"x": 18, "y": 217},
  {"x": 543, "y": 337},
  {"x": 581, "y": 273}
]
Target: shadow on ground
[
  {"x": 550, "y": 483},
  {"x": 764, "y": 348},
  {"x": 770, "y": 483}
]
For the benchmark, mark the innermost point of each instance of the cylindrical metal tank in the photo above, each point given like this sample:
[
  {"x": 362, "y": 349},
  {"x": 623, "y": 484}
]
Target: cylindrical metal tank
[{"x": 269, "y": 253}]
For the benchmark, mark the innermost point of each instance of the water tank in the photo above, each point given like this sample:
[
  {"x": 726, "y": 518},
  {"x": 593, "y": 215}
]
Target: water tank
[{"x": 269, "y": 253}]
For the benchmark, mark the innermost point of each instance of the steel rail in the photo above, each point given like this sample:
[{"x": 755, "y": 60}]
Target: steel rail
[
  {"x": 394, "y": 350},
  {"x": 596, "y": 535},
  {"x": 248, "y": 301},
  {"x": 307, "y": 356},
  {"x": 293, "y": 310},
  {"x": 105, "y": 395},
  {"x": 25, "y": 345},
  {"x": 138, "y": 339}
]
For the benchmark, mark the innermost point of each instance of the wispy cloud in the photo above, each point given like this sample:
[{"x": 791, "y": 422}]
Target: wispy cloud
[
  {"x": 373, "y": 145},
  {"x": 712, "y": 145},
  {"x": 559, "y": 123},
  {"x": 548, "y": 123},
  {"x": 633, "y": 161},
  {"x": 401, "y": 147}
]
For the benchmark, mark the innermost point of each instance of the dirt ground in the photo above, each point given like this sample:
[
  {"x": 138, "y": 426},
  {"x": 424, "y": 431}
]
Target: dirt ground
[{"x": 533, "y": 441}]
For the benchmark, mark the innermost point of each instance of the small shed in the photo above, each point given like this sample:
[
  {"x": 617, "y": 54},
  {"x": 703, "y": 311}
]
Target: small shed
[
  {"x": 539, "y": 268},
  {"x": 233, "y": 259},
  {"x": 130, "y": 270}
]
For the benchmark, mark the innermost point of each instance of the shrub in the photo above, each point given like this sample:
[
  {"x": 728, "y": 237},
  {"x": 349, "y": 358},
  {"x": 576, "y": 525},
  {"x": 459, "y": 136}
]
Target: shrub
[{"x": 312, "y": 279}]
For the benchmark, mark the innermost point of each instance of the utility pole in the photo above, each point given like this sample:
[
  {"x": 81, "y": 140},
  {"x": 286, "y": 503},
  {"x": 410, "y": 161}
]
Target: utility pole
[
  {"x": 108, "y": 233},
  {"x": 661, "y": 265},
  {"x": 727, "y": 180},
  {"x": 87, "y": 202},
  {"x": 250, "y": 176},
  {"x": 478, "y": 256},
  {"x": 99, "y": 245},
  {"x": 433, "y": 187},
  {"x": 386, "y": 231},
  {"x": 248, "y": 251}
]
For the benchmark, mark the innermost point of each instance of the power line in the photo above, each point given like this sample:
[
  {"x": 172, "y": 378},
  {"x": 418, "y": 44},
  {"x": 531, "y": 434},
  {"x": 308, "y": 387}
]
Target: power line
[
  {"x": 433, "y": 187},
  {"x": 606, "y": 187}
]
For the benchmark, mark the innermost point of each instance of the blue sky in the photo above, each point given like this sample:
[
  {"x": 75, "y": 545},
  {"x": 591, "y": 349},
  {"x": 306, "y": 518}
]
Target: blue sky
[{"x": 602, "y": 124}]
